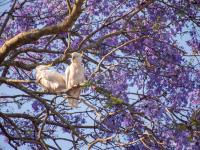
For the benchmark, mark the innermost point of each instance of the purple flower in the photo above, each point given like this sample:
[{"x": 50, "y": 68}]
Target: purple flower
[{"x": 37, "y": 106}]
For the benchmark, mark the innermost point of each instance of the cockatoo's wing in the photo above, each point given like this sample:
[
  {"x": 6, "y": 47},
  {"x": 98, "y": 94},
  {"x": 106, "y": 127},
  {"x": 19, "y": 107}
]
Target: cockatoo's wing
[
  {"x": 38, "y": 74},
  {"x": 56, "y": 80},
  {"x": 38, "y": 77},
  {"x": 51, "y": 80},
  {"x": 72, "y": 99}
]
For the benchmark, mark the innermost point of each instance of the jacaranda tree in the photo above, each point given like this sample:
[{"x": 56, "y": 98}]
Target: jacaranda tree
[{"x": 142, "y": 61}]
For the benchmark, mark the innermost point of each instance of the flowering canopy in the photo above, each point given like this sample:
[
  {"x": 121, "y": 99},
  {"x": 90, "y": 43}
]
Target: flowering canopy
[{"x": 142, "y": 62}]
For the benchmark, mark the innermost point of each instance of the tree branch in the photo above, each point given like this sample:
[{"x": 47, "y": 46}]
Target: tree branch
[{"x": 33, "y": 35}]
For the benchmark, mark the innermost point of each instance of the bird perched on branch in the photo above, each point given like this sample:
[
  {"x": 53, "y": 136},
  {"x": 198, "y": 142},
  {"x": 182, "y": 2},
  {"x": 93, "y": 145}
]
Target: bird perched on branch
[
  {"x": 50, "y": 80},
  {"x": 74, "y": 75}
]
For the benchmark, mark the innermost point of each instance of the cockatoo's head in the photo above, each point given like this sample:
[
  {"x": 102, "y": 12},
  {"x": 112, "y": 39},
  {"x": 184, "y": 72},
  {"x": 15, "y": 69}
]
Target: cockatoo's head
[{"x": 76, "y": 57}]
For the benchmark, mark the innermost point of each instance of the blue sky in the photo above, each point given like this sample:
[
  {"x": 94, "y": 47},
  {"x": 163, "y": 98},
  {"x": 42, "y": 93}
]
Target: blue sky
[{"x": 5, "y": 90}]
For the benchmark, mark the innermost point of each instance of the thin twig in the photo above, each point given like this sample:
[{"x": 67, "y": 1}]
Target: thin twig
[{"x": 90, "y": 145}]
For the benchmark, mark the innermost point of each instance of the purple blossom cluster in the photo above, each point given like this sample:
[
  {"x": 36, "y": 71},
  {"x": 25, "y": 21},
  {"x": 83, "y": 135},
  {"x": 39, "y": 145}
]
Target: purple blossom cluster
[{"x": 132, "y": 51}]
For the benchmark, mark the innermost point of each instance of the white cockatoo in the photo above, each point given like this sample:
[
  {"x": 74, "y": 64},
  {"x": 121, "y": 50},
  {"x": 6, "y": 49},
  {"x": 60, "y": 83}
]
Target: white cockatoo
[
  {"x": 50, "y": 80},
  {"x": 74, "y": 75}
]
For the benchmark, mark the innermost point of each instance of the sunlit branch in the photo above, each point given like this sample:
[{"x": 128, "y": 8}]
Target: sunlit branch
[{"x": 33, "y": 35}]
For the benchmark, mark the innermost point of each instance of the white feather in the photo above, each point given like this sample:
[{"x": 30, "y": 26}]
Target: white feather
[
  {"x": 50, "y": 80},
  {"x": 74, "y": 75}
]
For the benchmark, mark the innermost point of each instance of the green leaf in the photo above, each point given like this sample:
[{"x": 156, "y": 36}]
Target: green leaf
[{"x": 116, "y": 100}]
